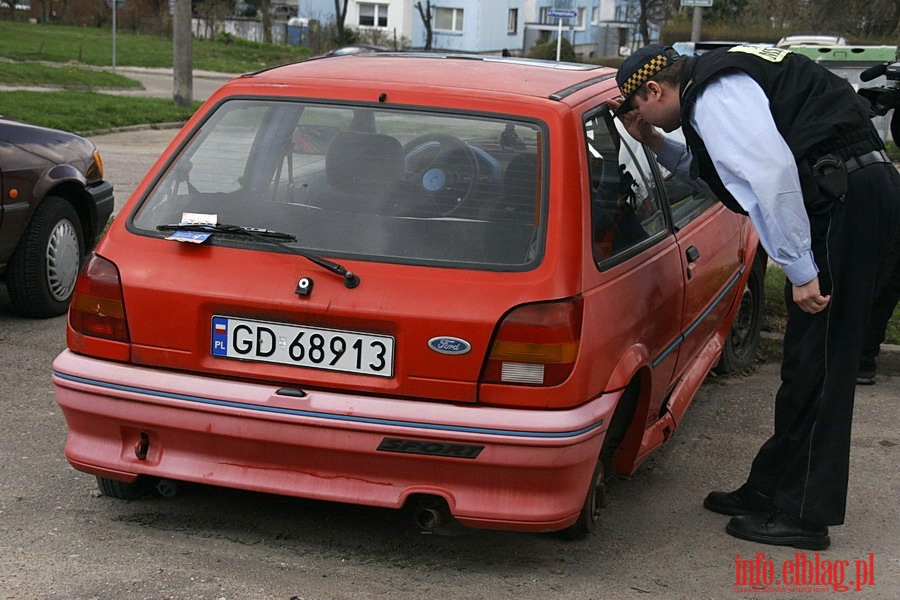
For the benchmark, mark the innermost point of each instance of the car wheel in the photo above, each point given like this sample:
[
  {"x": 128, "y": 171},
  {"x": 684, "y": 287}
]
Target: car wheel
[
  {"x": 45, "y": 265},
  {"x": 123, "y": 490},
  {"x": 589, "y": 518},
  {"x": 742, "y": 341}
]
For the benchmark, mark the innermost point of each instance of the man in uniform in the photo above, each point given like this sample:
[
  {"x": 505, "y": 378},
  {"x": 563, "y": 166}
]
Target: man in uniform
[{"x": 781, "y": 139}]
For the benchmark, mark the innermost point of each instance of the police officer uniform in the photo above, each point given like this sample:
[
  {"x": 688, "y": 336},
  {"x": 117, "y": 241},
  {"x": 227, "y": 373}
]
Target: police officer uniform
[{"x": 851, "y": 199}]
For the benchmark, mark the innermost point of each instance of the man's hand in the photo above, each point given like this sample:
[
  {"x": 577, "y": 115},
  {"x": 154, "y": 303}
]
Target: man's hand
[
  {"x": 809, "y": 298},
  {"x": 638, "y": 128}
]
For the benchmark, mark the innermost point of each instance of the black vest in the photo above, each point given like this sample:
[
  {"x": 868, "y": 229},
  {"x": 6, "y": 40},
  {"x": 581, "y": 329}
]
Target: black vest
[{"x": 816, "y": 112}]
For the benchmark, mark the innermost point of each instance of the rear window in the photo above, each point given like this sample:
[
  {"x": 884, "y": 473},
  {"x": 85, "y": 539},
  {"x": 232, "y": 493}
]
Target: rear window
[{"x": 403, "y": 186}]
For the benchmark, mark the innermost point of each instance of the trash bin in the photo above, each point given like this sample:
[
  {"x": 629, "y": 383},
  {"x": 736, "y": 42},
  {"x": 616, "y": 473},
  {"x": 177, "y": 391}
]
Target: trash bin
[{"x": 297, "y": 30}]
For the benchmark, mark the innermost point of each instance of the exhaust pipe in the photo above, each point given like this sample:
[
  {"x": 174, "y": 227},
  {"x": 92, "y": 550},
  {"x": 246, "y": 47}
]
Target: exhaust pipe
[
  {"x": 429, "y": 519},
  {"x": 431, "y": 514}
]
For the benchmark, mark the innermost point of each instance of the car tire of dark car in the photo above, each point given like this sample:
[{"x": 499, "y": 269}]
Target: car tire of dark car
[
  {"x": 43, "y": 269},
  {"x": 742, "y": 342},
  {"x": 122, "y": 490}
]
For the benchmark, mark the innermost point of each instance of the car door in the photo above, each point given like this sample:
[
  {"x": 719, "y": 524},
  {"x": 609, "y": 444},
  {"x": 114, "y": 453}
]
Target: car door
[
  {"x": 709, "y": 240},
  {"x": 638, "y": 260}
]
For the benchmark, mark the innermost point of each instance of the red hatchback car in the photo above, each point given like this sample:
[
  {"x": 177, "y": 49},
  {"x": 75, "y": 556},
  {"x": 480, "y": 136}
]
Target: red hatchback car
[{"x": 442, "y": 282}]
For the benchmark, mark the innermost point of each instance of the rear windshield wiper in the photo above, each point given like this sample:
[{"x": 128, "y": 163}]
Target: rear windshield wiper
[
  {"x": 223, "y": 228},
  {"x": 269, "y": 236}
]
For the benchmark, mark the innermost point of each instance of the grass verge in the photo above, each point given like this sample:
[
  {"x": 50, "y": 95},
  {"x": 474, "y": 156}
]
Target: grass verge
[
  {"x": 37, "y": 74},
  {"x": 93, "y": 46},
  {"x": 85, "y": 112}
]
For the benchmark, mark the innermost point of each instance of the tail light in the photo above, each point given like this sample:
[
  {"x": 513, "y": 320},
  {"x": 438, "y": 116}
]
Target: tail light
[
  {"x": 536, "y": 344},
  {"x": 98, "y": 308}
]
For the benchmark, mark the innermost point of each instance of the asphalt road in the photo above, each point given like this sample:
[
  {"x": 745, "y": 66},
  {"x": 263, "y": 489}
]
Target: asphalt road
[{"x": 60, "y": 539}]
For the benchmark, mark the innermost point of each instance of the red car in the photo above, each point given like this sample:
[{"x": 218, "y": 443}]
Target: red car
[{"x": 440, "y": 282}]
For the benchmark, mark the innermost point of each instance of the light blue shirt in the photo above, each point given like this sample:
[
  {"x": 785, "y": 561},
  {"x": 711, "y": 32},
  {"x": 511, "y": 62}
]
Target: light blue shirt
[{"x": 731, "y": 115}]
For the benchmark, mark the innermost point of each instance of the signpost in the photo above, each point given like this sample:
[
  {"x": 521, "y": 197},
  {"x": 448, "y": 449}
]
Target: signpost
[
  {"x": 561, "y": 14},
  {"x": 115, "y": 5}
]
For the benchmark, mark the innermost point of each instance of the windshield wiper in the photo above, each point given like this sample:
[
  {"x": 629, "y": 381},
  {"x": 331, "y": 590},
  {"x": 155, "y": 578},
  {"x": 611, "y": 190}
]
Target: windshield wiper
[
  {"x": 271, "y": 237},
  {"x": 223, "y": 228}
]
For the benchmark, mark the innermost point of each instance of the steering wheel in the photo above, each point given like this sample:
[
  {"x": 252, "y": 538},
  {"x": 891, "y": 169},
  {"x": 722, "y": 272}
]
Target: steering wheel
[{"x": 444, "y": 167}]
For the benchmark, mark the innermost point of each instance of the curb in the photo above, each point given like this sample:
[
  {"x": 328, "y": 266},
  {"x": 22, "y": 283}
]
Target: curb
[{"x": 131, "y": 128}]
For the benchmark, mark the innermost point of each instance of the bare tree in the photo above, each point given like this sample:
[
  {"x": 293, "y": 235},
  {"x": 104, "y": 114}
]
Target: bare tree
[
  {"x": 427, "y": 16},
  {"x": 855, "y": 18},
  {"x": 727, "y": 11},
  {"x": 651, "y": 11},
  {"x": 11, "y": 5},
  {"x": 264, "y": 6},
  {"x": 340, "y": 15}
]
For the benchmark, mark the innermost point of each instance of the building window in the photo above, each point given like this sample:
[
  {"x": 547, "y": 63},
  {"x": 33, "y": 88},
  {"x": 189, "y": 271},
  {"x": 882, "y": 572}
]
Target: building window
[
  {"x": 512, "y": 21},
  {"x": 373, "y": 15},
  {"x": 448, "y": 19}
]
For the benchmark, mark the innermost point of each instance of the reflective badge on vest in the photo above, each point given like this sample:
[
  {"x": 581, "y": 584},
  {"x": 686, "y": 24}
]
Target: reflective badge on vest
[{"x": 768, "y": 53}]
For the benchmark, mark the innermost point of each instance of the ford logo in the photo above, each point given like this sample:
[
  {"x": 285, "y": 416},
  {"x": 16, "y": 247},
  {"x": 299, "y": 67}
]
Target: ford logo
[{"x": 449, "y": 345}]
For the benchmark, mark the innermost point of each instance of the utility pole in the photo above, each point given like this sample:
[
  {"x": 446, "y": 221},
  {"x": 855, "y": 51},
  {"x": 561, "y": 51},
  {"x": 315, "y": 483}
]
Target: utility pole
[
  {"x": 115, "y": 5},
  {"x": 695, "y": 24},
  {"x": 698, "y": 16},
  {"x": 182, "y": 50}
]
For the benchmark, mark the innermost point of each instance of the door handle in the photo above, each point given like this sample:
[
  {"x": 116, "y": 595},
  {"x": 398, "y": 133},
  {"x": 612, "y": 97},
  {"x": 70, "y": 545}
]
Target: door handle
[{"x": 692, "y": 254}]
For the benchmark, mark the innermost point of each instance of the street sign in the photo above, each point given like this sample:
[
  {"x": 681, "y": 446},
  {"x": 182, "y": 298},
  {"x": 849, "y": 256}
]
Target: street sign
[
  {"x": 558, "y": 13},
  {"x": 118, "y": 3},
  {"x": 686, "y": 3}
]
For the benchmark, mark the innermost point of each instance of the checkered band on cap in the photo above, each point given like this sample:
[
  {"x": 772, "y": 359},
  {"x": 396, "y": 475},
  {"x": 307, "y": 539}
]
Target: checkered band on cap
[{"x": 643, "y": 74}]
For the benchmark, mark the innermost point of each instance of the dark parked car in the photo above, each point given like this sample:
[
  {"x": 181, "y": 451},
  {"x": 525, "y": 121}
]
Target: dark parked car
[
  {"x": 54, "y": 204},
  {"x": 358, "y": 49}
]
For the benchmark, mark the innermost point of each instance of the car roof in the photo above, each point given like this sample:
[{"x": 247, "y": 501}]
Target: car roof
[
  {"x": 477, "y": 73},
  {"x": 811, "y": 39}
]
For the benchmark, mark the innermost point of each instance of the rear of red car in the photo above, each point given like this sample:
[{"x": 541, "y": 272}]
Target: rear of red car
[
  {"x": 360, "y": 290},
  {"x": 328, "y": 291}
]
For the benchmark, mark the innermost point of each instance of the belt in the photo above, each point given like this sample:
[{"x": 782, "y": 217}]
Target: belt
[{"x": 864, "y": 160}]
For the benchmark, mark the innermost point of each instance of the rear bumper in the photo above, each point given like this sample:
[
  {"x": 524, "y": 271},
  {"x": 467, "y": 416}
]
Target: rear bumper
[{"x": 497, "y": 468}]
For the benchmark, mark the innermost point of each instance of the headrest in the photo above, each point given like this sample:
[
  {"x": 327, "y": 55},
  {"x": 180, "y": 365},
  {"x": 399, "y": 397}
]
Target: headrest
[{"x": 357, "y": 161}]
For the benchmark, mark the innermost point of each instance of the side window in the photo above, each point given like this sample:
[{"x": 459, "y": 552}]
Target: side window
[
  {"x": 685, "y": 202},
  {"x": 625, "y": 208}
]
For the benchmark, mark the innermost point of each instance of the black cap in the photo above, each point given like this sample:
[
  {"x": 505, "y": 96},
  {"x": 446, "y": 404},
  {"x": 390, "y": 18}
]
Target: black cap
[{"x": 638, "y": 68}]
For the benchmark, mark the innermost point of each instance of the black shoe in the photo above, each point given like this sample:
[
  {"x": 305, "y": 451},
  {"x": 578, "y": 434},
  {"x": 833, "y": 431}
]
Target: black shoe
[
  {"x": 778, "y": 529},
  {"x": 866, "y": 378},
  {"x": 743, "y": 501}
]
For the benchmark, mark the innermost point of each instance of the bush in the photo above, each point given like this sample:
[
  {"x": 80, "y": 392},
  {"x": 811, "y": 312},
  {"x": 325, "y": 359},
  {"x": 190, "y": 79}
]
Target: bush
[{"x": 547, "y": 51}]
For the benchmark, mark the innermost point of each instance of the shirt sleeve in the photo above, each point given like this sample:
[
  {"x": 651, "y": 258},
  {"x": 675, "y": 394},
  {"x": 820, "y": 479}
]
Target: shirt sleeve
[
  {"x": 676, "y": 157},
  {"x": 731, "y": 115}
]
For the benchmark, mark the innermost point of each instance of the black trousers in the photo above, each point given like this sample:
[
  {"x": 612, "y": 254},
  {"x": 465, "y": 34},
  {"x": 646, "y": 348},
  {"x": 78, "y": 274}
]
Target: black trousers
[
  {"x": 886, "y": 297},
  {"x": 804, "y": 466}
]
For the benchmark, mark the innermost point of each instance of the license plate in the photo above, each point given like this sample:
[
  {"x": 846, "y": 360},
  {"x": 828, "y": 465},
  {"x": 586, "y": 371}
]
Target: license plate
[{"x": 313, "y": 347}]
